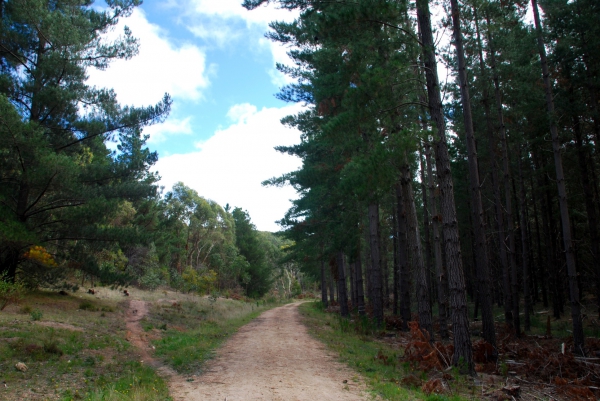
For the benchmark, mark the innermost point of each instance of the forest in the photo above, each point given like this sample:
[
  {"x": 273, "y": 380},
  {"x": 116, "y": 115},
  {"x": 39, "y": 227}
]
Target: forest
[
  {"x": 78, "y": 199},
  {"x": 422, "y": 197},
  {"x": 437, "y": 200}
]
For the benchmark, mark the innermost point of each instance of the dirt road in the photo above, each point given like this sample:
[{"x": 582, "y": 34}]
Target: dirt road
[{"x": 272, "y": 358}]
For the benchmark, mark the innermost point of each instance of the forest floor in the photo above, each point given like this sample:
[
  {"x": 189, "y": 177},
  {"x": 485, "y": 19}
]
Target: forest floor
[{"x": 538, "y": 366}]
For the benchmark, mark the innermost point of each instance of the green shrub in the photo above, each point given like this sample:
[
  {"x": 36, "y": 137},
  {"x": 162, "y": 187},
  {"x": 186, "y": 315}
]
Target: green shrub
[
  {"x": 87, "y": 305},
  {"x": 26, "y": 309},
  {"x": 36, "y": 314},
  {"x": 10, "y": 293},
  {"x": 51, "y": 347}
]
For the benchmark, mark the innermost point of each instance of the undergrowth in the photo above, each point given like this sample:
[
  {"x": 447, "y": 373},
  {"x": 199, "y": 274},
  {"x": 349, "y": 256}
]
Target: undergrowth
[{"x": 377, "y": 362}]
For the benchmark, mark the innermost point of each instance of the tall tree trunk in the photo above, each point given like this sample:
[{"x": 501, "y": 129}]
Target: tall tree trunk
[
  {"x": 323, "y": 284},
  {"x": 385, "y": 272},
  {"x": 416, "y": 251},
  {"x": 360, "y": 292},
  {"x": 442, "y": 278},
  {"x": 493, "y": 144},
  {"x": 342, "y": 295},
  {"x": 541, "y": 271},
  {"x": 578, "y": 337},
  {"x": 352, "y": 285},
  {"x": 524, "y": 245},
  {"x": 590, "y": 205},
  {"x": 482, "y": 268},
  {"x": 463, "y": 352},
  {"x": 375, "y": 273},
  {"x": 510, "y": 246},
  {"x": 331, "y": 288},
  {"x": 396, "y": 262},
  {"x": 368, "y": 267},
  {"x": 403, "y": 258},
  {"x": 426, "y": 226}
]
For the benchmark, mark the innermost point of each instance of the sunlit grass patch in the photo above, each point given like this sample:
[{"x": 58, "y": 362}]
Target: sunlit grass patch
[{"x": 138, "y": 383}]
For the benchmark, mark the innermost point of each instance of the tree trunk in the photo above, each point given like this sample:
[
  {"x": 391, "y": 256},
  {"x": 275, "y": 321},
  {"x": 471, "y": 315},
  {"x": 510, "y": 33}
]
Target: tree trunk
[
  {"x": 463, "y": 352},
  {"x": 385, "y": 272},
  {"x": 507, "y": 269},
  {"x": 342, "y": 295},
  {"x": 352, "y": 285},
  {"x": 426, "y": 226},
  {"x": 578, "y": 337},
  {"x": 403, "y": 263},
  {"x": 360, "y": 292},
  {"x": 493, "y": 144},
  {"x": 415, "y": 249},
  {"x": 368, "y": 263},
  {"x": 442, "y": 278},
  {"x": 375, "y": 273},
  {"x": 590, "y": 205},
  {"x": 482, "y": 268},
  {"x": 9, "y": 263},
  {"x": 396, "y": 263},
  {"x": 524, "y": 246},
  {"x": 331, "y": 288},
  {"x": 323, "y": 285}
]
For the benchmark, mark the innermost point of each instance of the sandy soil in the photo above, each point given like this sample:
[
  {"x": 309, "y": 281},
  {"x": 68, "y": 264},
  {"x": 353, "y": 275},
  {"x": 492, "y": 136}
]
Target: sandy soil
[{"x": 271, "y": 358}]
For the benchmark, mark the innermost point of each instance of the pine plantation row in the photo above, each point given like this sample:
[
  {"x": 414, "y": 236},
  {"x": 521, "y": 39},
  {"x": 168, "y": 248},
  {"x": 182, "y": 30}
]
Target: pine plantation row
[{"x": 484, "y": 187}]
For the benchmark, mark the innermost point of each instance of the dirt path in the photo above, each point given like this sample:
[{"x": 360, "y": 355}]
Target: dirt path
[{"x": 271, "y": 358}]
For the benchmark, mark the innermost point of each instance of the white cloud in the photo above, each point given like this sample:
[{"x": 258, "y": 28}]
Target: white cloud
[
  {"x": 160, "y": 67},
  {"x": 241, "y": 112},
  {"x": 211, "y": 20},
  {"x": 230, "y": 166},
  {"x": 279, "y": 53},
  {"x": 233, "y": 9},
  {"x": 159, "y": 132},
  {"x": 217, "y": 32}
]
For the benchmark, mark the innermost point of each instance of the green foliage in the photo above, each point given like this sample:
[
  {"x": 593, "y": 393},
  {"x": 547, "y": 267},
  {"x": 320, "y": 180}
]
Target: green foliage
[
  {"x": 10, "y": 292},
  {"x": 253, "y": 246},
  {"x": 61, "y": 185},
  {"x": 88, "y": 305},
  {"x": 200, "y": 283},
  {"x": 36, "y": 314}
]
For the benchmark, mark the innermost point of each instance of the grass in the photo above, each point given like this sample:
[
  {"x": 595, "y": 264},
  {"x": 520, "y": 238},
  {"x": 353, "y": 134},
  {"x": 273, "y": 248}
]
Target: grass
[
  {"x": 193, "y": 330},
  {"x": 74, "y": 346},
  {"x": 72, "y": 352},
  {"x": 138, "y": 383},
  {"x": 376, "y": 361}
]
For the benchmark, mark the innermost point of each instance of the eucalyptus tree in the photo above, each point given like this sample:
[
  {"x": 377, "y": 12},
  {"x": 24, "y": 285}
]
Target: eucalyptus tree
[
  {"x": 60, "y": 182},
  {"x": 259, "y": 274}
]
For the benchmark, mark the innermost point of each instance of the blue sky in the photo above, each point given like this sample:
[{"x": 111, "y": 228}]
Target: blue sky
[{"x": 212, "y": 58}]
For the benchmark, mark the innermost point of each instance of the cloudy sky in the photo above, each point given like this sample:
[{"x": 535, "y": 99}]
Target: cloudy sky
[{"x": 212, "y": 58}]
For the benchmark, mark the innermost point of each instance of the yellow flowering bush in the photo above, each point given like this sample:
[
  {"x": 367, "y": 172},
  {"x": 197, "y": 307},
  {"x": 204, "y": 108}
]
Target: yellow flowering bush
[{"x": 40, "y": 255}]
